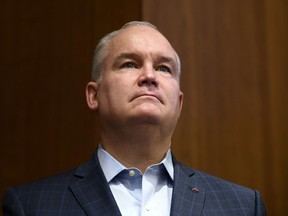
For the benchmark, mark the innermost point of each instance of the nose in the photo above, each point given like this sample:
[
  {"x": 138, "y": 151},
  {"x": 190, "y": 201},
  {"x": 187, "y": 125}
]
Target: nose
[{"x": 148, "y": 77}]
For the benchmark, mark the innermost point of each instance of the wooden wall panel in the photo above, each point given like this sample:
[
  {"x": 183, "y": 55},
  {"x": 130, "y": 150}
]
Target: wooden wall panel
[
  {"x": 46, "y": 56},
  {"x": 234, "y": 66},
  {"x": 277, "y": 64}
]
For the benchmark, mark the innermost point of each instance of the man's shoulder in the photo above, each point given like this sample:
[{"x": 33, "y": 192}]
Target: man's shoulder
[
  {"x": 54, "y": 193},
  {"x": 216, "y": 194},
  {"x": 212, "y": 182},
  {"x": 57, "y": 182}
]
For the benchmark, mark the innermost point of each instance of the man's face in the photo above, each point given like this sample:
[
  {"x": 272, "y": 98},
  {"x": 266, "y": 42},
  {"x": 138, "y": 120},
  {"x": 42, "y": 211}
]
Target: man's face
[{"x": 140, "y": 80}]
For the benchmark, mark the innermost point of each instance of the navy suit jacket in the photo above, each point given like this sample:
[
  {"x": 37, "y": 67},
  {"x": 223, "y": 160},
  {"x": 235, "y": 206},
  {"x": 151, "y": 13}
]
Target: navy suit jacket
[{"x": 85, "y": 191}]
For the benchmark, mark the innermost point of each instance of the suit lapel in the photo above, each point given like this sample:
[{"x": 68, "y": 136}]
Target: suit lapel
[
  {"x": 188, "y": 193},
  {"x": 95, "y": 197},
  {"x": 93, "y": 192}
]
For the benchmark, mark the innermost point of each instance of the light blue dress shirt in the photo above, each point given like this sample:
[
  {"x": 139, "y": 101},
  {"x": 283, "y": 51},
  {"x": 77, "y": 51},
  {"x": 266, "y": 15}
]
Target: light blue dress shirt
[{"x": 138, "y": 194}]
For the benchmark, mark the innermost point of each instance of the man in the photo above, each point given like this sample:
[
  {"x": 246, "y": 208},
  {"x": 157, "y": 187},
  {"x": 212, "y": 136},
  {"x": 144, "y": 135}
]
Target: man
[{"x": 136, "y": 95}]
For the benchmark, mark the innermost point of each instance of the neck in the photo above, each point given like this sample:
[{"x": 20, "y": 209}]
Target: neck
[{"x": 137, "y": 147}]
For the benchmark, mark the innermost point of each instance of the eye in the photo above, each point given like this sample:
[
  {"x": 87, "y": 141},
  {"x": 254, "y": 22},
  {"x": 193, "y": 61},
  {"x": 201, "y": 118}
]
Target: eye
[
  {"x": 163, "y": 68},
  {"x": 129, "y": 65}
]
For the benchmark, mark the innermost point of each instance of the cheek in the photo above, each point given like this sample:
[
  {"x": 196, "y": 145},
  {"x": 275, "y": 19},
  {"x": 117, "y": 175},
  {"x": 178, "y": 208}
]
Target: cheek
[
  {"x": 112, "y": 92},
  {"x": 173, "y": 92}
]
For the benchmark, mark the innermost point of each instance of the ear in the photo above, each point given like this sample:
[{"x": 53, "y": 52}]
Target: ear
[
  {"x": 91, "y": 95},
  {"x": 181, "y": 96}
]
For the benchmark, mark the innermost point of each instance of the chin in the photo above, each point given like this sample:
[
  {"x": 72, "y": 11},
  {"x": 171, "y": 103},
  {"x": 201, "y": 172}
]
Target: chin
[
  {"x": 147, "y": 113},
  {"x": 147, "y": 117}
]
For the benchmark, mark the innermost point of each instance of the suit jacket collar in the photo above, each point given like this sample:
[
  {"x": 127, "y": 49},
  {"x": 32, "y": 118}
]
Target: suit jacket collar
[
  {"x": 95, "y": 197},
  {"x": 188, "y": 192},
  {"x": 92, "y": 190}
]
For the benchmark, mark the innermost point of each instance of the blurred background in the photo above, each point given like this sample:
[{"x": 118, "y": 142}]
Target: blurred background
[{"x": 234, "y": 55}]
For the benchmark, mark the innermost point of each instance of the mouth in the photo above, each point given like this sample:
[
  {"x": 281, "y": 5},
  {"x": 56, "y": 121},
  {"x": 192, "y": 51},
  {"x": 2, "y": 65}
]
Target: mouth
[{"x": 151, "y": 95}]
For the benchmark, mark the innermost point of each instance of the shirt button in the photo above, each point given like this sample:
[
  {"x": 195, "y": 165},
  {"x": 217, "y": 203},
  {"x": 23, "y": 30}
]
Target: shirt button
[
  {"x": 147, "y": 208},
  {"x": 131, "y": 172}
]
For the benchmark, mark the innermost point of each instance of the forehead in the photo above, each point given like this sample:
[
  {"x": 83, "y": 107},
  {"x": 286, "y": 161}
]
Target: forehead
[{"x": 143, "y": 40}]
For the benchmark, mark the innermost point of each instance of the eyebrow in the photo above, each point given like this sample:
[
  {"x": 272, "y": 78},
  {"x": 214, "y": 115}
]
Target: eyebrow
[
  {"x": 167, "y": 59},
  {"x": 127, "y": 56}
]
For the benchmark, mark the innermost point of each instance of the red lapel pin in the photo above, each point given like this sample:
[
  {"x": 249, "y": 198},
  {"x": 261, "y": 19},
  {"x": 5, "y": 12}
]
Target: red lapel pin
[{"x": 195, "y": 190}]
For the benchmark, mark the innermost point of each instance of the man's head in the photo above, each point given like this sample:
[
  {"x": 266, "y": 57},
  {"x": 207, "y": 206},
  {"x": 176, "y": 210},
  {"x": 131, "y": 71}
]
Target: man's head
[
  {"x": 136, "y": 80},
  {"x": 100, "y": 52}
]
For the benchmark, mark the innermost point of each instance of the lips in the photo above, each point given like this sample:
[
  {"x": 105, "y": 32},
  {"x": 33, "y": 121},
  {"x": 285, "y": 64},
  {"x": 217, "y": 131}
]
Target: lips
[{"x": 157, "y": 96}]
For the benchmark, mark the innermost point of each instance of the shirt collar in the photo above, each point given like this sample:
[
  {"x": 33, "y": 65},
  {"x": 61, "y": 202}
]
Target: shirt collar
[{"x": 111, "y": 167}]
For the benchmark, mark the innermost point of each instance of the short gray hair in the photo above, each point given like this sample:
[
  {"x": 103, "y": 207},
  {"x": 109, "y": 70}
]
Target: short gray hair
[{"x": 100, "y": 52}]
